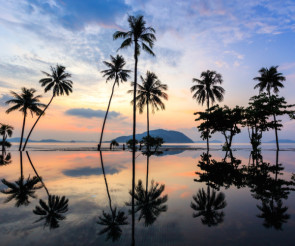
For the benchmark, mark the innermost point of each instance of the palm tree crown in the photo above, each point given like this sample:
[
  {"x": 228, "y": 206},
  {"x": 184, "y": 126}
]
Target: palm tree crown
[
  {"x": 138, "y": 33},
  {"x": 206, "y": 88},
  {"x": 150, "y": 92},
  {"x": 25, "y": 101},
  {"x": 58, "y": 80},
  {"x": 6, "y": 130},
  {"x": 269, "y": 79},
  {"x": 116, "y": 70}
]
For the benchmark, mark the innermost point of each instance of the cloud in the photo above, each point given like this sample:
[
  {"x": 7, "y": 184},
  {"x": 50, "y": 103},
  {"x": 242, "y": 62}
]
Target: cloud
[
  {"x": 5, "y": 85},
  {"x": 91, "y": 113},
  {"x": 87, "y": 171},
  {"x": 3, "y": 99}
]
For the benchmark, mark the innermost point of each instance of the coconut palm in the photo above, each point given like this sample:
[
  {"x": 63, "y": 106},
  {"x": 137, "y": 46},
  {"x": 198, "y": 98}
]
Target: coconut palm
[
  {"x": 270, "y": 79},
  {"x": 112, "y": 221},
  {"x": 5, "y": 159},
  {"x": 150, "y": 93},
  {"x": 60, "y": 84},
  {"x": 207, "y": 89},
  {"x": 113, "y": 144},
  {"x": 25, "y": 102},
  {"x": 149, "y": 203},
  {"x": 207, "y": 206},
  {"x": 114, "y": 72},
  {"x": 5, "y": 131},
  {"x": 53, "y": 211},
  {"x": 21, "y": 190}
]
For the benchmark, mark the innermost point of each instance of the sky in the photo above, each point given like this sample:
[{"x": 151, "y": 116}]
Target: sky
[{"x": 233, "y": 38}]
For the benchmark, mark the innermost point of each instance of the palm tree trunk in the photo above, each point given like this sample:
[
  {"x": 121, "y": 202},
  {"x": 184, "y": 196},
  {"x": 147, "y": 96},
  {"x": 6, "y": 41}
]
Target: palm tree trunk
[
  {"x": 207, "y": 123},
  {"x": 133, "y": 137},
  {"x": 37, "y": 122},
  {"x": 37, "y": 174},
  {"x": 22, "y": 135},
  {"x": 105, "y": 180},
  {"x": 21, "y": 164},
  {"x": 276, "y": 132},
  {"x": 147, "y": 175},
  {"x": 148, "y": 123},
  {"x": 106, "y": 115}
]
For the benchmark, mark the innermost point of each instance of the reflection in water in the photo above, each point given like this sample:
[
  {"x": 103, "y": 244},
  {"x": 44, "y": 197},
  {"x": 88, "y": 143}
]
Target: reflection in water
[
  {"x": 113, "y": 220},
  {"x": 148, "y": 201},
  {"x": 22, "y": 189},
  {"x": 208, "y": 205},
  {"x": 51, "y": 212},
  {"x": 5, "y": 158}
]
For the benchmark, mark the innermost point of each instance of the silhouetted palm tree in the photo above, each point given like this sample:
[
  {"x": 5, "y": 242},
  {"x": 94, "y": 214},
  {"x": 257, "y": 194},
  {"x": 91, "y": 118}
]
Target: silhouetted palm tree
[
  {"x": 52, "y": 212},
  {"x": 270, "y": 79},
  {"x": 149, "y": 204},
  {"x": 273, "y": 215},
  {"x": 143, "y": 38},
  {"x": 21, "y": 190},
  {"x": 113, "y": 144},
  {"x": 60, "y": 84},
  {"x": 207, "y": 206},
  {"x": 112, "y": 221},
  {"x": 150, "y": 93},
  {"x": 25, "y": 102},
  {"x": 207, "y": 89},
  {"x": 5, "y": 159},
  {"x": 5, "y": 131},
  {"x": 115, "y": 71}
]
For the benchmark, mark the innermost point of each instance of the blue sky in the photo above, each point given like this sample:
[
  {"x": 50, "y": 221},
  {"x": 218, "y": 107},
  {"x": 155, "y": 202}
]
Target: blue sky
[{"x": 234, "y": 38}]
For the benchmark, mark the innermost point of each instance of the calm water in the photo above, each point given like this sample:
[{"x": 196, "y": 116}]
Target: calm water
[{"x": 234, "y": 204}]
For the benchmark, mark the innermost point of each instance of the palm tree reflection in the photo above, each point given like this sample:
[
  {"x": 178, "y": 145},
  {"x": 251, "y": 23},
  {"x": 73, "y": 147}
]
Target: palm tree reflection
[
  {"x": 113, "y": 220},
  {"x": 208, "y": 205},
  {"x": 22, "y": 189},
  {"x": 51, "y": 212},
  {"x": 5, "y": 158},
  {"x": 149, "y": 202}
]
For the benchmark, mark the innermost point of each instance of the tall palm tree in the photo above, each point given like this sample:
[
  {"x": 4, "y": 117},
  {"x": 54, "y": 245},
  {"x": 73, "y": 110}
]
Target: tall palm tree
[
  {"x": 115, "y": 219},
  {"x": 25, "y": 102},
  {"x": 52, "y": 212},
  {"x": 150, "y": 93},
  {"x": 270, "y": 79},
  {"x": 21, "y": 190},
  {"x": 143, "y": 38},
  {"x": 115, "y": 71},
  {"x": 60, "y": 84},
  {"x": 207, "y": 89},
  {"x": 207, "y": 205},
  {"x": 5, "y": 131}
]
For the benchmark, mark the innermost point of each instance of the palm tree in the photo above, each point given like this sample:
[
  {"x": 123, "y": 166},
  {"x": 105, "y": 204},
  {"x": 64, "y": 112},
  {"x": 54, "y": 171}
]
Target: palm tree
[
  {"x": 21, "y": 190},
  {"x": 51, "y": 212},
  {"x": 115, "y": 219},
  {"x": 150, "y": 93},
  {"x": 270, "y": 79},
  {"x": 5, "y": 131},
  {"x": 5, "y": 159},
  {"x": 25, "y": 102},
  {"x": 207, "y": 205},
  {"x": 113, "y": 143},
  {"x": 143, "y": 38},
  {"x": 117, "y": 73},
  {"x": 208, "y": 90},
  {"x": 60, "y": 84}
]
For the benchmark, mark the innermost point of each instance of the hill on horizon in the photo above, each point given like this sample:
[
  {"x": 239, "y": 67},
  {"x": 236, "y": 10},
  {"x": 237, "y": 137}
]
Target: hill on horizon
[{"x": 168, "y": 136}]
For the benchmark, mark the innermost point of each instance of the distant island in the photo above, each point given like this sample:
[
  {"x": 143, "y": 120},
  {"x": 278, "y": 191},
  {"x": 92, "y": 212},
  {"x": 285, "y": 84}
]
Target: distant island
[
  {"x": 282, "y": 141},
  {"x": 17, "y": 140},
  {"x": 168, "y": 136},
  {"x": 211, "y": 141}
]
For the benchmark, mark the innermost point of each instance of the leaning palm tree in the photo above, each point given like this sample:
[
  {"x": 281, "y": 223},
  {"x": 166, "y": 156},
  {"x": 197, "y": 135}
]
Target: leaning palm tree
[
  {"x": 21, "y": 190},
  {"x": 112, "y": 221},
  {"x": 5, "y": 131},
  {"x": 143, "y": 38},
  {"x": 115, "y": 71},
  {"x": 207, "y": 89},
  {"x": 150, "y": 93},
  {"x": 270, "y": 79},
  {"x": 25, "y": 102},
  {"x": 207, "y": 205},
  {"x": 60, "y": 84},
  {"x": 51, "y": 212}
]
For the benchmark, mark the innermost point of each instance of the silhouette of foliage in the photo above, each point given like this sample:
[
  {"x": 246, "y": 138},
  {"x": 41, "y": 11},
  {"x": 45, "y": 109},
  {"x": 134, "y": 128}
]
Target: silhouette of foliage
[{"x": 5, "y": 159}]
